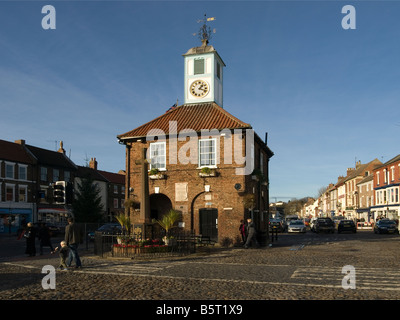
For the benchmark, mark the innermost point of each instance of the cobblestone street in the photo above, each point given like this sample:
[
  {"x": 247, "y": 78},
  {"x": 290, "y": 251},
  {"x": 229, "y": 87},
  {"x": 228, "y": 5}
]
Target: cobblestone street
[{"x": 304, "y": 267}]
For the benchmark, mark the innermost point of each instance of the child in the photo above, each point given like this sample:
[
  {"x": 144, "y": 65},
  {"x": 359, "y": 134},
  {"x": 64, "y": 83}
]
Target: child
[{"x": 64, "y": 252}]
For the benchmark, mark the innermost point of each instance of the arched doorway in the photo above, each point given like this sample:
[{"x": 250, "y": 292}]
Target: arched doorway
[
  {"x": 208, "y": 222},
  {"x": 160, "y": 204}
]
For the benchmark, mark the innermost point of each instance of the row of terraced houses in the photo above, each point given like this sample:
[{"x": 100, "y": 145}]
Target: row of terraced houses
[
  {"x": 27, "y": 178},
  {"x": 368, "y": 192}
]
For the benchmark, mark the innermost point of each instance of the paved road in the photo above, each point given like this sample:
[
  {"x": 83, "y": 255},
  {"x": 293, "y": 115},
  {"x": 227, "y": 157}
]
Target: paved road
[{"x": 297, "y": 266}]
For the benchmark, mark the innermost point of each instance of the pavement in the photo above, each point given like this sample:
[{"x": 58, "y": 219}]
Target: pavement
[{"x": 297, "y": 267}]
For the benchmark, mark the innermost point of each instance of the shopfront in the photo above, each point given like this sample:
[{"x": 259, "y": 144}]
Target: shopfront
[
  {"x": 14, "y": 219},
  {"x": 388, "y": 211},
  {"x": 53, "y": 216}
]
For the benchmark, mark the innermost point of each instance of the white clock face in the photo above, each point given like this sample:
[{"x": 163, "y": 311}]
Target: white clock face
[{"x": 199, "y": 88}]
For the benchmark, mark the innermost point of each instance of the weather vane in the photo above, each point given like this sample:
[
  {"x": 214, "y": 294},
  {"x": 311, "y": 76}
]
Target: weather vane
[{"x": 205, "y": 31}]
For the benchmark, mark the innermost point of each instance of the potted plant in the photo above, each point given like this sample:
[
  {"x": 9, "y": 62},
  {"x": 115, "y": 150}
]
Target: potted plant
[
  {"x": 125, "y": 222},
  {"x": 207, "y": 172},
  {"x": 154, "y": 174},
  {"x": 167, "y": 223}
]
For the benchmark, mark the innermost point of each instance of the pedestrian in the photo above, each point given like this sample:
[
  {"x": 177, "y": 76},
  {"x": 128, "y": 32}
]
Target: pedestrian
[
  {"x": 73, "y": 237},
  {"x": 22, "y": 228},
  {"x": 251, "y": 234},
  {"x": 242, "y": 230},
  {"x": 30, "y": 236},
  {"x": 44, "y": 238},
  {"x": 63, "y": 253}
]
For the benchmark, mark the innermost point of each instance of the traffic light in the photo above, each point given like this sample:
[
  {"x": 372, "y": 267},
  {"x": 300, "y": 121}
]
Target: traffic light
[{"x": 59, "y": 192}]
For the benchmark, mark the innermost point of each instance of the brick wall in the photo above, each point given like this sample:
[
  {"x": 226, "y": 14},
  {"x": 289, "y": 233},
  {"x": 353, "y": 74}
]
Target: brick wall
[{"x": 222, "y": 194}]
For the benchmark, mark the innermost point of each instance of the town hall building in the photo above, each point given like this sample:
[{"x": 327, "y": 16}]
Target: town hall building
[{"x": 200, "y": 160}]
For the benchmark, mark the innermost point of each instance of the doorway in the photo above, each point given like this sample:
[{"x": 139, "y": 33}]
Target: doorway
[
  {"x": 160, "y": 204},
  {"x": 209, "y": 223}
]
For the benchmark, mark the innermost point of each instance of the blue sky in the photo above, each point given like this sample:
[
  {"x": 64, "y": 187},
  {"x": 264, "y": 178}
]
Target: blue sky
[{"x": 326, "y": 96}]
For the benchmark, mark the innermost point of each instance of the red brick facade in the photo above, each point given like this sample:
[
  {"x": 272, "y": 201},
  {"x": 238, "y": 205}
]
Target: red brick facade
[{"x": 225, "y": 194}]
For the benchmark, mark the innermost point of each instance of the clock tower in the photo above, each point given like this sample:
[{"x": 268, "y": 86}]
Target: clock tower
[{"x": 203, "y": 72}]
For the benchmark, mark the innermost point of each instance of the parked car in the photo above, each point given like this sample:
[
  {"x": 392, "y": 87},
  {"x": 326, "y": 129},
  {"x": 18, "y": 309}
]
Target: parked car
[
  {"x": 346, "y": 225},
  {"x": 296, "y": 226},
  {"x": 386, "y": 226},
  {"x": 108, "y": 228},
  {"x": 324, "y": 225},
  {"x": 275, "y": 225}
]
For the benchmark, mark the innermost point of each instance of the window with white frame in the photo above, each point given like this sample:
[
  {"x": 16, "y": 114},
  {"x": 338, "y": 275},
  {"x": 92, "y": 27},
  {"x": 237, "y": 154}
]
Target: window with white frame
[
  {"x": 43, "y": 173},
  {"x": 198, "y": 66},
  {"x": 378, "y": 197},
  {"x": 158, "y": 155},
  {"x": 392, "y": 171},
  {"x": 116, "y": 202},
  {"x": 22, "y": 172},
  {"x": 10, "y": 170},
  {"x": 207, "y": 152},
  {"x": 10, "y": 189},
  {"x": 22, "y": 193}
]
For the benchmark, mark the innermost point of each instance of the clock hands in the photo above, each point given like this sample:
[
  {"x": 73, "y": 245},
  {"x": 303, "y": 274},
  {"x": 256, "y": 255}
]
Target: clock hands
[{"x": 199, "y": 88}]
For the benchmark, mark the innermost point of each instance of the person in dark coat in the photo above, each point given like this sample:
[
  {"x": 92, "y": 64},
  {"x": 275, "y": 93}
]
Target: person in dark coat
[
  {"x": 242, "y": 229},
  {"x": 30, "y": 236},
  {"x": 73, "y": 237},
  {"x": 44, "y": 238},
  {"x": 251, "y": 234}
]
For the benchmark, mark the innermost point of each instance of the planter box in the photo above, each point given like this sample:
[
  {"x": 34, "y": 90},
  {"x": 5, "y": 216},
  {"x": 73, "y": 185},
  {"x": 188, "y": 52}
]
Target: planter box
[
  {"x": 128, "y": 251},
  {"x": 157, "y": 176},
  {"x": 213, "y": 173}
]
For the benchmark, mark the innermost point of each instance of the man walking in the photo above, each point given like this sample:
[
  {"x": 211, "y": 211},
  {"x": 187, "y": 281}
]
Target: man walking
[
  {"x": 73, "y": 237},
  {"x": 251, "y": 234}
]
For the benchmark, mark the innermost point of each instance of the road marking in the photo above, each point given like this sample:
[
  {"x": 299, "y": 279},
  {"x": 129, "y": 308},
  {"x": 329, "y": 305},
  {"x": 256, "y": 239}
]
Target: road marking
[
  {"x": 366, "y": 278},
  {"x": 297, "y": 247},
  {"x": 383, "y": 279},
  {"x": 20, "y": 265}
]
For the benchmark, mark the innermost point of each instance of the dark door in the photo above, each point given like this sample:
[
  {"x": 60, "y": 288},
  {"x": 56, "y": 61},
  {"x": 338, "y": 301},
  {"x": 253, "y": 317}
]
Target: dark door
[{"x": 209, "y": 223}]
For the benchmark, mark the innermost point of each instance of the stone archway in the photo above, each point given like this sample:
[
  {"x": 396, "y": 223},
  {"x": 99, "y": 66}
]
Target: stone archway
[{"x": 160, "y": 204}]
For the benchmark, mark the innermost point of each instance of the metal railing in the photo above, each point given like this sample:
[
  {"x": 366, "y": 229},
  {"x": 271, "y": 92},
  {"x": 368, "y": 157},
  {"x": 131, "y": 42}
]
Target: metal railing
[{"x": 134, "y": 246}]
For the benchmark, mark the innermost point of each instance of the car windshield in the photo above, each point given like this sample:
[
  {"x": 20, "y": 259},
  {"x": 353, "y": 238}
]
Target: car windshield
[
  {"x": 387, "y": 222},
  {"x": 296, "y": 222},
  {"x": 347, "y": 222}
]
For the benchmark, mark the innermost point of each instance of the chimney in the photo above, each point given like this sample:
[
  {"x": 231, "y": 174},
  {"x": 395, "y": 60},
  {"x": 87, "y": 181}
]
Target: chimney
[
  {"x": 93, "y": 163},
  {"x": 61, "y": 150},
  {"x": 21, "y": 142}
]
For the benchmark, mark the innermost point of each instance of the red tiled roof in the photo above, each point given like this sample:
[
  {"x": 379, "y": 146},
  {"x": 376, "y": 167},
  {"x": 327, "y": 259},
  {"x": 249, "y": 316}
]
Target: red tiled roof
[{"x": 197, "y": 117}]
